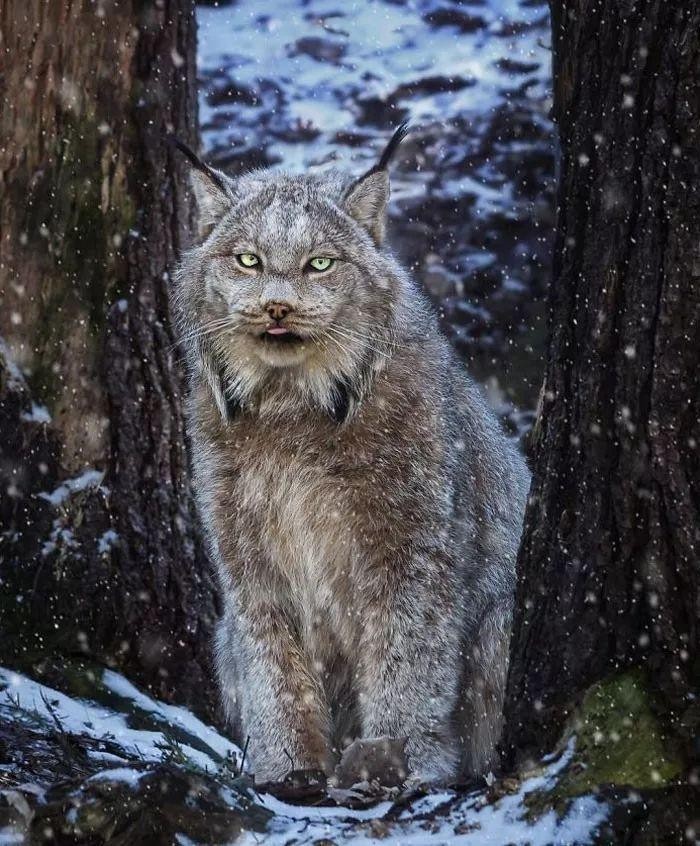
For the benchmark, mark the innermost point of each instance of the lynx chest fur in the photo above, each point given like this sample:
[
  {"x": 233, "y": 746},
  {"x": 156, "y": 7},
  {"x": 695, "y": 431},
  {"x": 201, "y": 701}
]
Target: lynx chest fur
[
  {"x": 362, "y": 504},
  {"x": 324, "y": 499},
  {"x": 292, "y": 489}
]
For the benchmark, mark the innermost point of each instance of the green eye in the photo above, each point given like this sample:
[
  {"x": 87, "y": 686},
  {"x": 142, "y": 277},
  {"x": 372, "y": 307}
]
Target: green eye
[
  {"x": 320, "y": 263},
  {"x": 247, "y": 259}
]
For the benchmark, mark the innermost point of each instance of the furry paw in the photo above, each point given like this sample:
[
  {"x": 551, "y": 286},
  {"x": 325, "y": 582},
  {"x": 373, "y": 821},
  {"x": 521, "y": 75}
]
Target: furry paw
[
  {"x": 432, "y": 763},
  {"x": 378, "y": 759}
]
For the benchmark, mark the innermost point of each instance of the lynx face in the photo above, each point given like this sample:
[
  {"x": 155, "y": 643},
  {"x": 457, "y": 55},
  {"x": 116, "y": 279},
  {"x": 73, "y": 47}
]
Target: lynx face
[
  {"x": 289, "y": 292},
  {"x": 294, "y": 280}
]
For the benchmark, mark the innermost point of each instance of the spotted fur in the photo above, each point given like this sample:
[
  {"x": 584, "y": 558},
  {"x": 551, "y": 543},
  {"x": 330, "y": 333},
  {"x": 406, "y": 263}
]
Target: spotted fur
[{"x": 361, "y": 502}]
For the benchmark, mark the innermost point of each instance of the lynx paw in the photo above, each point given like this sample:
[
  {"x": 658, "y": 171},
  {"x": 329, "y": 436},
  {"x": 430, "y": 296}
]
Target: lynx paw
[{"x": 379, "y": 759}]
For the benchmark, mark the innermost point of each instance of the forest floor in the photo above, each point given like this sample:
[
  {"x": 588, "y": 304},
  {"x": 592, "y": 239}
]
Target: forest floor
[{"x": 88, "y": 758}]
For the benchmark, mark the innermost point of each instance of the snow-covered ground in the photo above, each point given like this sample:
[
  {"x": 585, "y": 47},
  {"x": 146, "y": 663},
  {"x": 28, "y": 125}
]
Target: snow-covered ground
[
  {"x": 136, "y": 731},
  {"x": 324, "y": 62}
]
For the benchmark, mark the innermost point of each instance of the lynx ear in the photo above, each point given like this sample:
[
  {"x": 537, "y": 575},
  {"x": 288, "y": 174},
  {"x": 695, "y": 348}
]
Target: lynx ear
[
  {"x": 366, "y": 202},
  {"x": 211, "y": 189},
  {"x": 367, "y": 197}
]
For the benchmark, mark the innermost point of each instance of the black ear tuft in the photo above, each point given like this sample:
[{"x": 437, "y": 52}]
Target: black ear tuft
[
  {"x": 366, "y": 198},
  {"x": 211, "y": 188},
  {"x": 389, "y": 151},
  {"x": 195, "y": 161}
]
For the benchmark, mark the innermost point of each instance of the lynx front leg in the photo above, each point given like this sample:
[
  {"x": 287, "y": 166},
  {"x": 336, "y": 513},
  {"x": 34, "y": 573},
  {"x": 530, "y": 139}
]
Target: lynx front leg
[
  {"x": 270, "y": 692},
  {"x": 480, "y": 713},
  {"x": 409, "y": 662}
]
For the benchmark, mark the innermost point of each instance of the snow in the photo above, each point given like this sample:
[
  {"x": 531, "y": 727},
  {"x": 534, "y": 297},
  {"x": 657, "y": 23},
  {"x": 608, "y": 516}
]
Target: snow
[
  {"x": 16, "y": 377},
  {"x": 172, "y": 715},
  {"x": 127, "y": 775},
  {"x": 467, "y": 820},
  {"x": 106, "y": 541},
  {"x": 499, "y": 824},
  {"x": 321, "y": 61},
  {"x": 438, "y": 818},
  {"x": 38, "y": 414},
  {"x": 87, "y": 479},
  {"x": 285, "y": 811},
  {"x": 205, "y": 749},
  {"x": 61, "y": 536}
]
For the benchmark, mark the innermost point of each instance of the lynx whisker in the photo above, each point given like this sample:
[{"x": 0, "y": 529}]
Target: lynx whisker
[
  {"x": 362, "y": 335},
  {"x": 202, "y": 331},
  {"x": 361, "y": 338},
  {"x": 340, "y": 346}
]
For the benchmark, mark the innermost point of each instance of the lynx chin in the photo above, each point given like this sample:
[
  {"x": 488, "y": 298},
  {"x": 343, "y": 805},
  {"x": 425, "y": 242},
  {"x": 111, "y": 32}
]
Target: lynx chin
[{"x": 361, "y": 503}]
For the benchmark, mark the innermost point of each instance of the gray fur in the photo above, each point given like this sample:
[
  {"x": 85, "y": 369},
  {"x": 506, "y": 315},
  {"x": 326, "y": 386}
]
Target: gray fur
[{"x": 362, "y": 504}]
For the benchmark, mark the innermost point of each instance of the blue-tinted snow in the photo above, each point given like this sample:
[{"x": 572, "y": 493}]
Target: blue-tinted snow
[
  {"x": 87, "y": 479},
  {"x": 38, "y": 414},
  {"x": 324, "y": 61}
]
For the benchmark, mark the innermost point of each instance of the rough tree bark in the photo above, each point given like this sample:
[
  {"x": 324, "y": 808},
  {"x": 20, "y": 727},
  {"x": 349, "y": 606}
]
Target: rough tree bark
[
  {"x": 92, "y": 214},
  {"x": 609, "y": 567}
]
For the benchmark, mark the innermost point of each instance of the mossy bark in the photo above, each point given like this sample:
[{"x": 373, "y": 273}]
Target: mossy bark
[
  {"x": 618, "y": 742},
  {"x": 93, "y": 211},
  {"x": 620, "y": 751}
]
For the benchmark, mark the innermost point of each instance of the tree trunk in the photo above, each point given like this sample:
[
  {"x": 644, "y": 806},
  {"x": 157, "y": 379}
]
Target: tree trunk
[
  {"x": 609, "y": 573},
  {"x": 92, "y": 214}
]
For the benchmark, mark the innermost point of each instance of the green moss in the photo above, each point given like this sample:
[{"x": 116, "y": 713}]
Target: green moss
[
  {"x": 619, "y": 741},
  {"x": 88, "y": 254}
]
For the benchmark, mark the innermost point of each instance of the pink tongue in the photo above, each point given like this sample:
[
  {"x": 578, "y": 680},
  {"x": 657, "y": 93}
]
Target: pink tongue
[{"x": 277, "y": 330}]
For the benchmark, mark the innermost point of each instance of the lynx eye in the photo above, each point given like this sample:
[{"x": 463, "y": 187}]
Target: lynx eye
[
  {"x": 320, "y": 263},
  {"x": 247, "y": 259}
]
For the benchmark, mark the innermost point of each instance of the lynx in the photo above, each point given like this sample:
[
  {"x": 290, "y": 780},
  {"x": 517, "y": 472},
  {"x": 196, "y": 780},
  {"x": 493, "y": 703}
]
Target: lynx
[{"x": 361, "y": 502}]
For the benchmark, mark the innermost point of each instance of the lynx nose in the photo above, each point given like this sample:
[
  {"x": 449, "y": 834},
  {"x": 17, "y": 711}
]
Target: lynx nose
[{"x": 277, "y": 311}]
